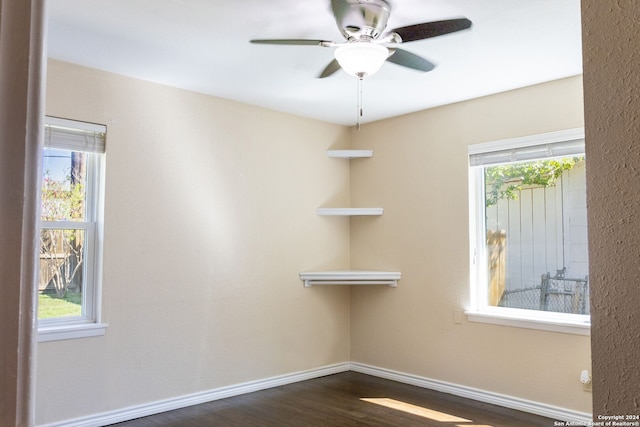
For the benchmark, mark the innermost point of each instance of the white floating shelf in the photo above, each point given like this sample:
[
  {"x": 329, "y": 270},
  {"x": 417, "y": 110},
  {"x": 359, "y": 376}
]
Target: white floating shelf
[
  {"x": 350, "y": 211},
  {"x": 350, "y": 277},
  {"x": 350, "y": 154}
]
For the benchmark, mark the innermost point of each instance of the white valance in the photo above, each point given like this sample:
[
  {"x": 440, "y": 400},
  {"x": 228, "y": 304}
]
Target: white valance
[
  {"x": 555, "y": 144},
  {"x": 73, "y": 135}
]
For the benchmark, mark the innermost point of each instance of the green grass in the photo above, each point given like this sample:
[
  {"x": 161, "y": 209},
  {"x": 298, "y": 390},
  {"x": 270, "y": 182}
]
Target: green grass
[{"x": 49, "y": 306}]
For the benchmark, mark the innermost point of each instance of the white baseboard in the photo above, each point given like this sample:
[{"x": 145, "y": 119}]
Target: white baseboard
[
  {"x": 542, "y": 409},
  {"x": 130, "y": 413},
  {"x": 152, "y": 408}
]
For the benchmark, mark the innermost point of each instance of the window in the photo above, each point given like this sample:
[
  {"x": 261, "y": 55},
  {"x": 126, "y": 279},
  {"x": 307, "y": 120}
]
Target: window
[
  {"x": 528, "y": 226},
  {"x": 70, "y": 230}
]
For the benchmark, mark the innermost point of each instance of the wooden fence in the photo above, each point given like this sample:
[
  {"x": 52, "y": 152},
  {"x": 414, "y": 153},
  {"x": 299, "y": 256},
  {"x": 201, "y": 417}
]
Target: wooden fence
[{"x": 543, "y": 230}]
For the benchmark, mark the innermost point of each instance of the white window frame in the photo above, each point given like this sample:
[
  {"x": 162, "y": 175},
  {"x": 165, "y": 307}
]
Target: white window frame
[
  {"x": 501, "y": 152},
  {"x": 89, "y": 324}
]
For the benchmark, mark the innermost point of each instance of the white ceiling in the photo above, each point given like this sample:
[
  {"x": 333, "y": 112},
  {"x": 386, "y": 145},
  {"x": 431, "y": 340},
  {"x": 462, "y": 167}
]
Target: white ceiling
[{"x": 203, "y": 45}]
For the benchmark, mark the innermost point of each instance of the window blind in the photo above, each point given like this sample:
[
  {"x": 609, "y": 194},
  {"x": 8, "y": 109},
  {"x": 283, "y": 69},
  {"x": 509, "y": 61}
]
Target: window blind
[
  {"x": 560, "y": 144},
  {"x": 74, "y": 136}
]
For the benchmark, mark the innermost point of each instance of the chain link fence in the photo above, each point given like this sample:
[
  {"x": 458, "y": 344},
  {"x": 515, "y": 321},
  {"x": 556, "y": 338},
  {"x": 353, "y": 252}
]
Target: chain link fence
[{"x": 554, "y": 293}]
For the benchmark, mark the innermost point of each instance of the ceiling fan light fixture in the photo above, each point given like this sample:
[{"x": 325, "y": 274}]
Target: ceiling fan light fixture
[{"x": 361, "y": 58}]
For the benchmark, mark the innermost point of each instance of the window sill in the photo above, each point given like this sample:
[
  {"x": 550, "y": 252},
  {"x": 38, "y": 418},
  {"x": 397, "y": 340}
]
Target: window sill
[
  {"x": 519, "y": 320},
  {"x": 68, "y": 332}
]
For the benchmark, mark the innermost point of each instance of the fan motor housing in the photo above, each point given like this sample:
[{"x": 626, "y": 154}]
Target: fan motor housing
[{"x": 364, "y": 20}]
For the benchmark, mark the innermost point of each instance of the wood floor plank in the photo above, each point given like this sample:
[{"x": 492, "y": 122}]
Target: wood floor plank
[{"x": 345, "y": 399}]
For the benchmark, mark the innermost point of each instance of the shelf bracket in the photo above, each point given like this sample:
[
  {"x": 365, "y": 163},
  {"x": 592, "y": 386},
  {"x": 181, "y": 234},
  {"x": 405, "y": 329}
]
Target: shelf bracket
[{"x": 350, "y": 277}]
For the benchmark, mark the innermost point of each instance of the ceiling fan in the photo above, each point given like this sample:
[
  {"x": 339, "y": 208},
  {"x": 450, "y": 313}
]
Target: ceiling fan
[{"x": 367, "y": 45}]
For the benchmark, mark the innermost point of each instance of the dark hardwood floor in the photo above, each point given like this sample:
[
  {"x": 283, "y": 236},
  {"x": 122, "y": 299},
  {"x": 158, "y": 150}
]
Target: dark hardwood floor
[{"x": 345, "y": 399}]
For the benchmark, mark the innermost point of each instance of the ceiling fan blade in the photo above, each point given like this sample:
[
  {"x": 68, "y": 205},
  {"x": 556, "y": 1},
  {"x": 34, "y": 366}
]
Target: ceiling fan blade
[
  {"x": 431, "y": 29},
  {"x": 409, "y": 60},
  {"x": 295, "y": 42},
  {"x": 330, "y": 69}
]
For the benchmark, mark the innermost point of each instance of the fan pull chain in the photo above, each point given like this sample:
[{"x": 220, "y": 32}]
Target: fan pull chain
[{"x": 359, "y": 111}]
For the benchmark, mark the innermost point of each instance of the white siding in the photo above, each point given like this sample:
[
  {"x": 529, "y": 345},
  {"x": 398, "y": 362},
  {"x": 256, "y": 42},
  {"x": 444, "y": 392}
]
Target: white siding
[{"x": 546, "y": 230}]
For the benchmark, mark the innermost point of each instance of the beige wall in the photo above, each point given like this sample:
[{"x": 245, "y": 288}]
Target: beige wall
[
  {"x": 210, "y": 215},
  {"x": 66, "y": 369},
  {"x": 419, "y": 174},
  {"x": 612, "y": 114}
]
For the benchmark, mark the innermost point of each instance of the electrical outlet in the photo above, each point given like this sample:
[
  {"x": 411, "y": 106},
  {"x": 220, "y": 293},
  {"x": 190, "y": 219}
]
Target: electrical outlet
[{"x": 585, "y": 379}]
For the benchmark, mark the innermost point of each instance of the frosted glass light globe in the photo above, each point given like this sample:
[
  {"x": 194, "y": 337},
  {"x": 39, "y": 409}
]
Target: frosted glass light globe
[{"x": 361, "y": 58}]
